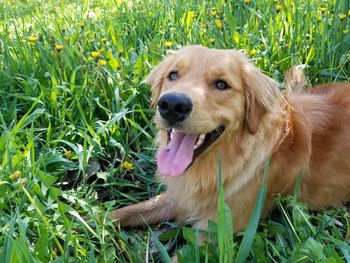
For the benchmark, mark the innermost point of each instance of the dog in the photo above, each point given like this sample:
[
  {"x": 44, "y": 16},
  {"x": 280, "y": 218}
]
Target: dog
[{"x": 214, "y": 105}]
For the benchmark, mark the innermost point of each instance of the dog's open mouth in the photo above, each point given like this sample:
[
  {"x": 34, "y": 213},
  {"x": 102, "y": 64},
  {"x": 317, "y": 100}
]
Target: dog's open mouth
[{"x": 182, "y": 150}]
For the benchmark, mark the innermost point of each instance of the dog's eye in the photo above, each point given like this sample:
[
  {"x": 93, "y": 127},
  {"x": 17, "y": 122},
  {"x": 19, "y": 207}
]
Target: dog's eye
[
  {"x": 221, "y": 85},
  {"x": 173, "y": 75}
]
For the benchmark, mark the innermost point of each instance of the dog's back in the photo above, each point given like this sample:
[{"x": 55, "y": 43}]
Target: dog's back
[{"x": 327, "y": 111}]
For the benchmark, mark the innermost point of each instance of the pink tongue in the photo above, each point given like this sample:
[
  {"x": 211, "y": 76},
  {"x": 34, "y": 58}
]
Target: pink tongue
[{"x": 174, "y": 158}]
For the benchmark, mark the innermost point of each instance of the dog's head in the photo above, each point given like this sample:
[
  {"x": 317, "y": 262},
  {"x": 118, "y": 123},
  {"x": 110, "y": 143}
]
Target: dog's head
[{"x": 201, "y": 93}]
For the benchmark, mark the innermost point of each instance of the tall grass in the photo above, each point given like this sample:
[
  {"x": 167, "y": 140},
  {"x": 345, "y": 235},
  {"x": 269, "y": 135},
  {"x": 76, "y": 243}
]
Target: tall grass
[{"x": 76, "y": 130}]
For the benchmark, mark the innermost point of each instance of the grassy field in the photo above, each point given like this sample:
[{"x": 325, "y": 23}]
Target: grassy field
[{"x": 76, "y": 130}]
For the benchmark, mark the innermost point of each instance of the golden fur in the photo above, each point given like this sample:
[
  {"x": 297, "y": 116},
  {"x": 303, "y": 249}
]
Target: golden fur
[{"x": 301, "y": 133}]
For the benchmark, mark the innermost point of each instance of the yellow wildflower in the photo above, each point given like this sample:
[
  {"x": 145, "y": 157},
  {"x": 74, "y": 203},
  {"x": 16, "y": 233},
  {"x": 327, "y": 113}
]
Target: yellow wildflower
[
  {"x": 15, "y": 175},
  {"x": 82, "y": 26},
  {"x": 342, "y": 16},
  {"x": 168, "y": 44},
  {"x": 102, "y": 62},
  {"x": 58, "y": 47},
  {"x": 95, "y": 54},
  {"x": 212, "y": 40},
  {"x": 190, "y": 17},
  {"x": 323, "y": 9},
  {"x": 68, "y": 154},
  {"x": 253, "y": 52},
  {"x": 246, "y": 1},
  {"x": 213, "y": 11},
  {"x": 345, "y": 31},
  {"x": 191, "y": 14},
  {"x": 218, "y": 23},
  {"x": 33, "y": 38},
  {"x": 127, "y": 165},
  {"x": 104, "y": 40},
  {"x": 278, "y": 8}
]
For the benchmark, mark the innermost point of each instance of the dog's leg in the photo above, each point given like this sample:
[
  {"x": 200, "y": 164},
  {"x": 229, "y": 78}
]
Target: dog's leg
[{"x": 155, "y": 210}]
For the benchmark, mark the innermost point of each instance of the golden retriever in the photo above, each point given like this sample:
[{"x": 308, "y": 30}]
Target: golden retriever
[{"x": 215, "y": 105}]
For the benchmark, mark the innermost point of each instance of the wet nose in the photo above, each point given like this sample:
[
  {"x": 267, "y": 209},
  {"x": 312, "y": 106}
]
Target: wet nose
[{"x": 174, "y": 107}]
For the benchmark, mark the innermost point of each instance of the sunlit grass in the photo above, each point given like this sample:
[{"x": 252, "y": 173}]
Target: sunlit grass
[{"x": 77, "y": 137}]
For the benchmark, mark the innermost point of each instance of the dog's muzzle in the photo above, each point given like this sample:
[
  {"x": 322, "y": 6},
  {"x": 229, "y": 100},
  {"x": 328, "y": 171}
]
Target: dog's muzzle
[{"x": 174, "y": 107}]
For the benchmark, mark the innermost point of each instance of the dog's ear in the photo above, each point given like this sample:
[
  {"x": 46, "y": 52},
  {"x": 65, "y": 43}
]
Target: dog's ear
[
  {"x": 253, "y": 111},
  {"x": 260, "y": 93},
  {"x": 156, "y": 78}
]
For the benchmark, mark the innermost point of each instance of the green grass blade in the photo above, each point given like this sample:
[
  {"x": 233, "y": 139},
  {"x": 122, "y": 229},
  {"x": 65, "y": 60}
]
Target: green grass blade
[
  {"x": 162, "y": 249},
  {"x": 7, "y": 248},
  {"x": 248, "y": 238},
  {"x": 224, "y": 224}
]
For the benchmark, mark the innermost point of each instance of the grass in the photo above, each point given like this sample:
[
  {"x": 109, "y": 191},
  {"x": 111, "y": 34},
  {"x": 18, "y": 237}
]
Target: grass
[{"x": 76, "y": 131}]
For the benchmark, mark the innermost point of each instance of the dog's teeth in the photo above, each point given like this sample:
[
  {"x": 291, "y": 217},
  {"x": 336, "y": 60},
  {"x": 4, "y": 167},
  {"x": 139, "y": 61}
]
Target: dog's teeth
[
  {"x": 171, "y": 134},
  {"x": 201, "y": 137},
  {"x": 199, "y": 142}
]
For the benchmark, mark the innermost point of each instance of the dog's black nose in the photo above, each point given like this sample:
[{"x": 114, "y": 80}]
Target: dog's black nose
[{"x": 174, "y": 107}]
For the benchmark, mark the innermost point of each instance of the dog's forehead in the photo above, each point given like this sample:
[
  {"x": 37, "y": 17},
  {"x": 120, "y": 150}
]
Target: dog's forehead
[{"x": 195, "y": 56}]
